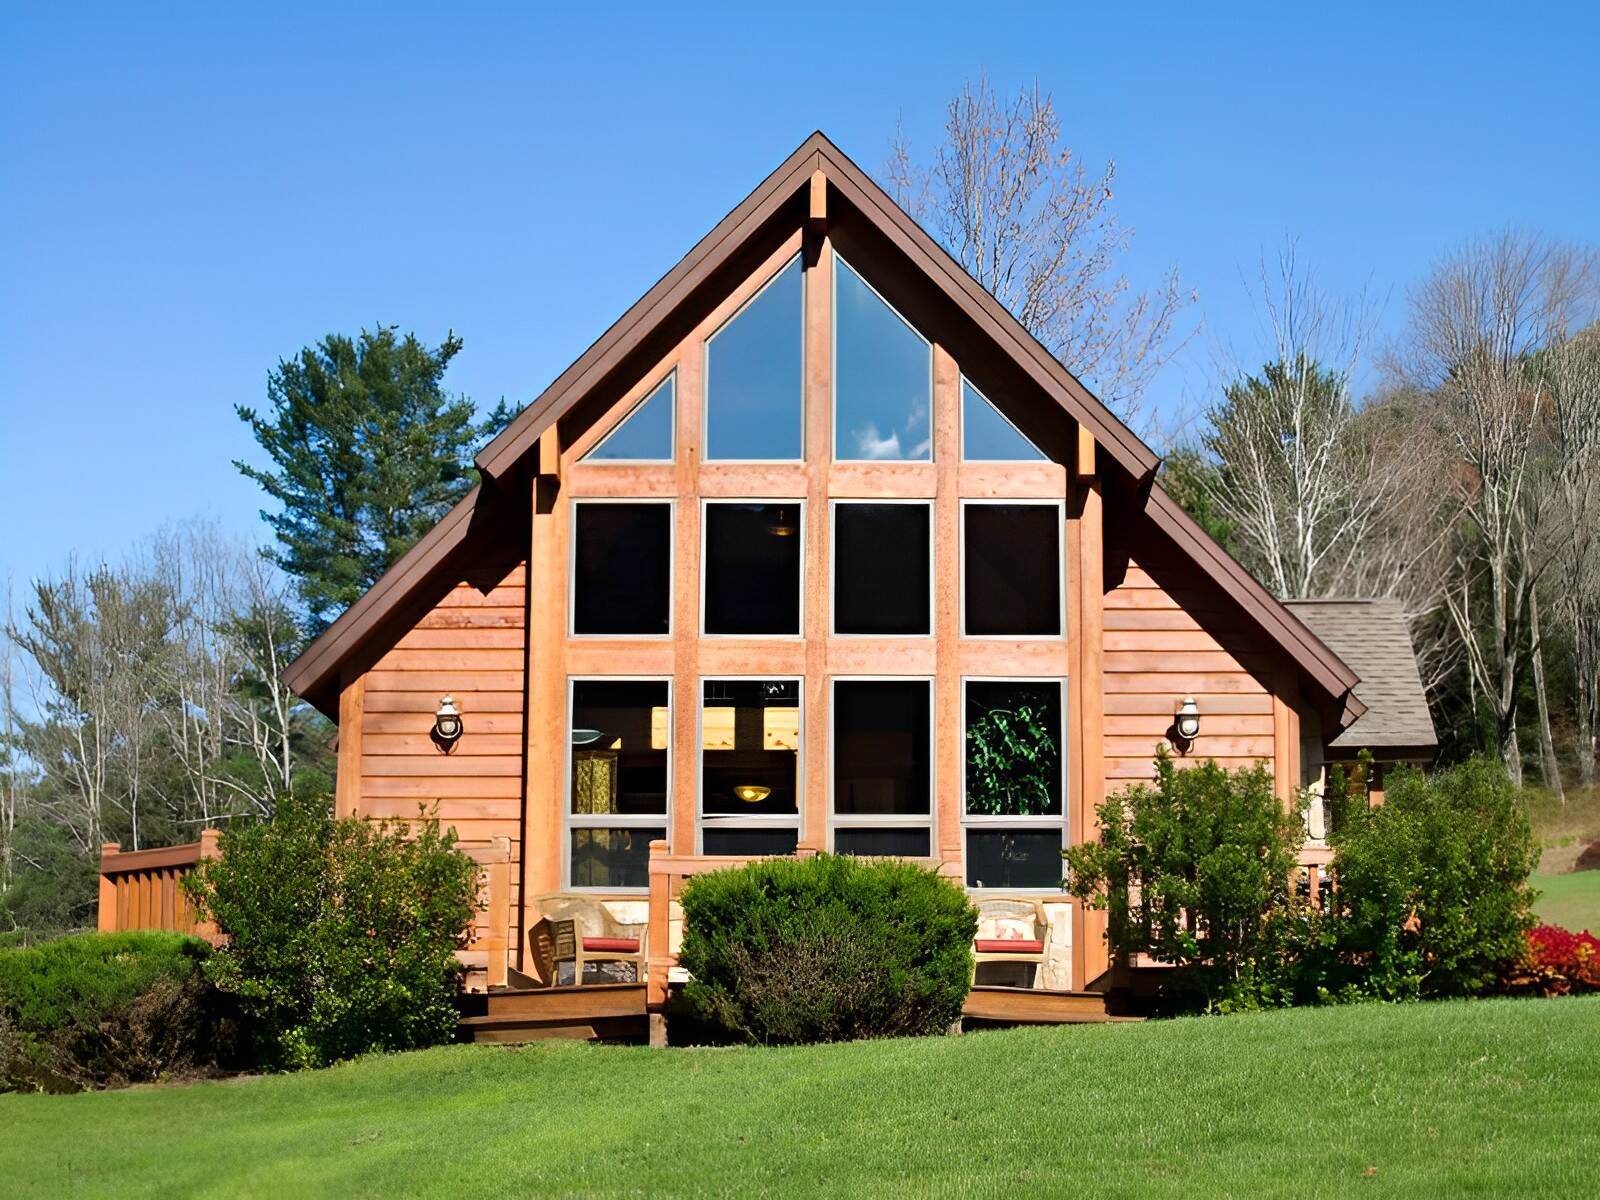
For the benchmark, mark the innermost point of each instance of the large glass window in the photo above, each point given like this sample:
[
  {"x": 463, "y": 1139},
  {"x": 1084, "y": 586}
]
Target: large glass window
[
  {"x": 882, "y": 581},
  {"x": 986, "y": 435},
  {"x": 749, "y": 766},
  {"x": 618, "y": 771},
  {"x": 1011, "y": 569},
  {"x": 1013, "y": 783},
  {"x": 751, "y": 554},
  {"x": 882, "y": 377},
  {"x": 755, "y": 376},
  {"x": 621, "y": 567},
  {"x": 883, "y": 767},
  {"x": 645, "y": 434}
]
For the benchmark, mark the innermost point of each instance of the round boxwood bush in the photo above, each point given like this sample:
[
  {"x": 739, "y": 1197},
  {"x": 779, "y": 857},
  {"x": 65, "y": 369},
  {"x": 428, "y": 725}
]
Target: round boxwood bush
[
  {"x": 826, "y": 949},
  {"x": 107, "y": 1009}
]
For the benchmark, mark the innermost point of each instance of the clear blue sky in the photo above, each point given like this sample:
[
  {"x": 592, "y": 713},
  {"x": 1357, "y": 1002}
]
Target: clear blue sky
[{"x": 188, "y": 194}]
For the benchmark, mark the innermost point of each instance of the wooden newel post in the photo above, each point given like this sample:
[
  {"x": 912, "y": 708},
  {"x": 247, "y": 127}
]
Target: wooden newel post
[
  {"x": 658, "y": 958},
  {"x": 108, "y": 890},
  {"x": 210, "y": 847}
]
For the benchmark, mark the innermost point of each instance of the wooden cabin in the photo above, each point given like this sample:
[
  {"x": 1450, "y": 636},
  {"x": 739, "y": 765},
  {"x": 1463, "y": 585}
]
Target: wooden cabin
[{"x": 747, "y": 578}]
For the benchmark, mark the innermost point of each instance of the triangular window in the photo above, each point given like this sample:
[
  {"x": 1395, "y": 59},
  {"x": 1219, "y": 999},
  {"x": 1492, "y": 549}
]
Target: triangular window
[
  {"x": 986, "y": 435},
  {"x": 754, "y": 376},
  {"x": 883, "y": 377},
  {"x": 645, "y": 434}
]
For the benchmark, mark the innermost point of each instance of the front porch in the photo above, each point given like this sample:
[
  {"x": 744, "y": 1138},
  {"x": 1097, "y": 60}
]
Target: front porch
[{"x": 637, "y": 986}]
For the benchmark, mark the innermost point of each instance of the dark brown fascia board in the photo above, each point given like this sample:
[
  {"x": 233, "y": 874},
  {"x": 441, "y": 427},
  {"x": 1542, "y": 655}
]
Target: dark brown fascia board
[
  {"x": 503, "y": 454},
  {"x": 318, "y": 664},
  {"x": 1321, "y": 665}
]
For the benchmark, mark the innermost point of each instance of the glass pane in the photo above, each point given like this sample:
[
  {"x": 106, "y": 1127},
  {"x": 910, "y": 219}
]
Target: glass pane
[
  {"x": 883, "y": 377},
  {"x": 750, "y": 748},
  {"x": 619, "y": 746},
  {"x": 880, "y": 746},
  {"x": 613, "y": 857},
  {"x": 622, "y": 568},
  {"x": 986, "y": 436},
  {"x": 753, "y": 376},
  {"x": 881, "y": 843},
  {"x": 751, "y": 841},
  {"x": 1013, "y": 748},
  {"x": 880, "y": 568},
  {"x": 645, "y": 434},
  {"x": 1014, "y": 858},
  {"x": 1012, "y": 567},
  {"x": 752, "y": 564}
]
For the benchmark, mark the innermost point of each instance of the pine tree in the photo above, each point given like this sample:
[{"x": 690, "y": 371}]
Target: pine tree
[{"x": 368, "y": 451}]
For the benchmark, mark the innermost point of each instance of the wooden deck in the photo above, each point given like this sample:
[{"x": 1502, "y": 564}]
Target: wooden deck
[{"x": 617, "y": 1011}]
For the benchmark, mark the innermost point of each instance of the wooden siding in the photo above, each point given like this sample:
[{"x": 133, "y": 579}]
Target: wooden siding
[
  {"x": 471, "y": 645},
  {"x": 1161, "y": 647}
]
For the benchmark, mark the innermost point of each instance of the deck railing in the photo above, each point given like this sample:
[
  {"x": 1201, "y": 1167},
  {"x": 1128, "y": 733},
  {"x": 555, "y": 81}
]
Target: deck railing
[{"x": 139, "y": 889}]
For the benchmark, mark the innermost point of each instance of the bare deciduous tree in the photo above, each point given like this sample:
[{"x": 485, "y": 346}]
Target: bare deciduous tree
[
  {"x": 1476, "y": 324},
  {"x": 1008, "y": 199}
]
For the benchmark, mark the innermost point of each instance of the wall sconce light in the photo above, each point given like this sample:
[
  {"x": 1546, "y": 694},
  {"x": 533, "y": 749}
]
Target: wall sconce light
[
  {"x": 752, "y": 793},
  {"x": 447, "y": 723},
  {"x": 1187, "y": 722}
]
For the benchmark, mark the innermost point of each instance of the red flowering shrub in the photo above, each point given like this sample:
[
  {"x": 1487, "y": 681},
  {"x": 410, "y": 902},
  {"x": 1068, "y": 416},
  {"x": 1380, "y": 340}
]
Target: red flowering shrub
[{"x": 1558, "y": 962}]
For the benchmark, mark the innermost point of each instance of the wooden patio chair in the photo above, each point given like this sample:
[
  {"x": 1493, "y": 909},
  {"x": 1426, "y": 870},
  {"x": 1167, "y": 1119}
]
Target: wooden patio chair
[
  {"x": 1010, "y": 931},
  {"x": 587, "y": 929}
]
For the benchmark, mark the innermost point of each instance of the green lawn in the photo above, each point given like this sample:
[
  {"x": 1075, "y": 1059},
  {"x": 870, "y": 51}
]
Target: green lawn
[
  {"x": 1571, "y": 900},
  {"x": 1490, "y": 1098}
]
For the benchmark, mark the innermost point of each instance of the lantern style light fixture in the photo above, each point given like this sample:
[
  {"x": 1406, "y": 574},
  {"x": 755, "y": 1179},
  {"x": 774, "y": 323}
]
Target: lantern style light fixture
[
  {"x": 752, "y": 793},
  {"x": 1188, "y": 720},
  {"x": 447, "y": 722}
]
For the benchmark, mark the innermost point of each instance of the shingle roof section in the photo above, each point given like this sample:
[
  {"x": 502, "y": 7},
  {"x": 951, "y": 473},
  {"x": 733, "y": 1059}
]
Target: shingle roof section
[{"x": 1372, "y": 637}]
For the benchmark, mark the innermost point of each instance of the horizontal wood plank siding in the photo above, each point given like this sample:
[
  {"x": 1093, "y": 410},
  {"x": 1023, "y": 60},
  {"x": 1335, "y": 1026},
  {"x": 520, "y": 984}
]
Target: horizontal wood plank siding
[
  {"x": 471, "y": 645},
  {"x": 1160, "y": 648}
]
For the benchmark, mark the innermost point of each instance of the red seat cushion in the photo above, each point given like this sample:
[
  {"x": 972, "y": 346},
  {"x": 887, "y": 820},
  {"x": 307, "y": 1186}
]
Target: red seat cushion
[
  {"x": 989, "y": 946},
  {"x": 615, "y": 945}
]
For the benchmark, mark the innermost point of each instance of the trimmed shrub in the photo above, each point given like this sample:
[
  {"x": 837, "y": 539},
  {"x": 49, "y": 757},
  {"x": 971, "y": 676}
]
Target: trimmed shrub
[
  {"x": 1433, "y": 896},
  {"x": 827, "y": 949},
  {"x": 1557, "y": 962},
  {"x": 342, "y": 934},
  {"x": 1191, "y": 871},
  {"x": 106, "y": 1010}
]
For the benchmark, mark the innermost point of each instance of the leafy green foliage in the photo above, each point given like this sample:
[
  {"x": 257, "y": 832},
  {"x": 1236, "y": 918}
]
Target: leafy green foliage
[
  {"x": 105, "y": 1009},
  {"x": 368, "y": 452},
  {"x": 341, "y": 933},
  {"x": 1189, "y": 870},
  {"x": 827, "y": 949},
  {"x": 1433, "y": 896},
  {"x": 1013, "y": 763}
]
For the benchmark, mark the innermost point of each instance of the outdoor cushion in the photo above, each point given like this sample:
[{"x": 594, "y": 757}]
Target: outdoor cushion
[
  {"x": 989, "y": 946},
  {"x": 614, "y": 944}
]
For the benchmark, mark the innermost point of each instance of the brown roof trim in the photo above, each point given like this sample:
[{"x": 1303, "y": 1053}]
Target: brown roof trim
[
  {"x": 518, "y": 439},
  {"x": 1325, "y": 668},
  {"x": 317, "y": 667}
]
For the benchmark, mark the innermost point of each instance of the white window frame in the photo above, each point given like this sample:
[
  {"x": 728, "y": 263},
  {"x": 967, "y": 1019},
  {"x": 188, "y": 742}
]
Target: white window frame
[
  {"x": 706, "y": 502},
  {"x": 705, "y": 366},
  {"x": 739, "y": 820},
  {"x": 572, "y": 567},
  {"x": 893, "y": 821},
  {"x": 833, "y": 385},
  {"x": 833, "y": 565},
  {"x": 588, "y": 458},
  {"x": 1060, "y": 506},
  {"x": 1001, "y": 824},
  {"x": 571, "y": 820},
  {"x": 966, "y": 383}
]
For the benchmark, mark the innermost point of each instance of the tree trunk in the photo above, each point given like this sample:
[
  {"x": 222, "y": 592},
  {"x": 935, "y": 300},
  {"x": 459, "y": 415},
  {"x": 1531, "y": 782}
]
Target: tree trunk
[{"x": 1547, "y": 743}]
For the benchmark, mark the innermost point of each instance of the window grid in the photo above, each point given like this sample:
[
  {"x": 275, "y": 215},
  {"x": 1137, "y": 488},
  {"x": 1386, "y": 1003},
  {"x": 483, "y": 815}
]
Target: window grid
[{"x": 986, "y": 822}]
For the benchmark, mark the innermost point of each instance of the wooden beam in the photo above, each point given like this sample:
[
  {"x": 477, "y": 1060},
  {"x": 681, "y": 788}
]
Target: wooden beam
[
  {"x": 1086, "y": 687},
  {"x": 347, "y": 781},
  {"x": 818, "y": 214},
  {"x": 949, "y": 728},
  {"x": 549, "y": 453},
  {"x": 1083, "y": 462}
]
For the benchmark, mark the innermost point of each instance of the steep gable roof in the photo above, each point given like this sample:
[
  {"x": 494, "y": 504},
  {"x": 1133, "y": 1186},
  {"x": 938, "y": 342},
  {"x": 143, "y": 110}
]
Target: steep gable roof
[
  {"x": 315, "y": 674},
  {"x": 1372, "y": 636}
]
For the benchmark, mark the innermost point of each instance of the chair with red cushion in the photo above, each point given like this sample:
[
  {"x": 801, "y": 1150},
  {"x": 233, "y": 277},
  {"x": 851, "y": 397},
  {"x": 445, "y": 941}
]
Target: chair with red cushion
[
  {"x": 582, "y": 930},
  {"x": 1010, "y": 930}
]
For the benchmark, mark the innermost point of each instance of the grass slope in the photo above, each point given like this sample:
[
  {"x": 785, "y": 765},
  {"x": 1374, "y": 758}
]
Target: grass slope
[
  {"x": 1571, "y": 901},
  {"x": 1490, "y": 1098}
]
